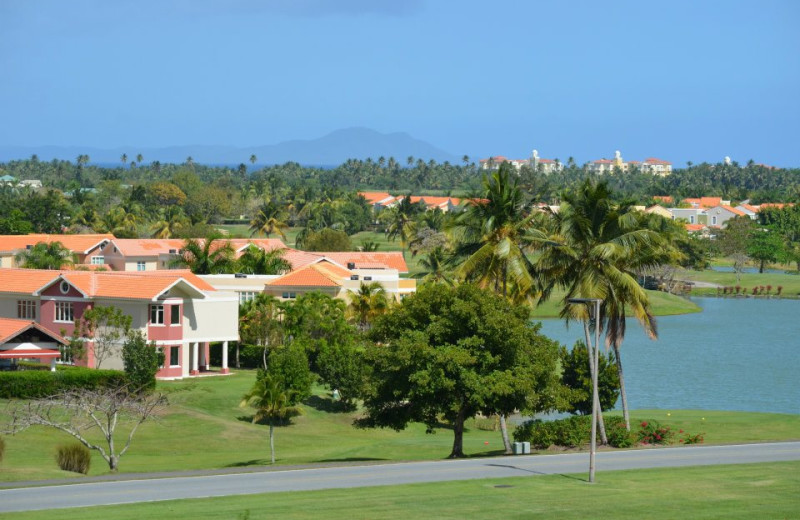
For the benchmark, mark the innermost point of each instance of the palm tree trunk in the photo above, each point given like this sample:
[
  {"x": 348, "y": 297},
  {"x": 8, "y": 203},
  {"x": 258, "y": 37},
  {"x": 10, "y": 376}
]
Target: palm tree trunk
[
  {"x": 622, "y": 392},
  {"x": 601, "y": 423},
  {"x": 272, "y": 441},
  {"x": 504, "y": 433},
  {"x": 237, "y": 355}
]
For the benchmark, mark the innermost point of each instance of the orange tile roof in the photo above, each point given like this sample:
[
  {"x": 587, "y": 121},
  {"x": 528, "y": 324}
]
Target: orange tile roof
[
  {"x": 147, "y": 246},
  {"x": 653, "y": 160},
  {"x": 374, "y": 197},
  {"x": 322, "y": 274},
  {"x": 734, "y": 210},
  {"x": 107, "y": 284},
  {"x": 267, "y": 244},
  {"x": 10, "y": 327},
  {"x": 776, "y": 205},
  {"x": 749, "y": 207},
  {"x": 694, "y": 227},
  {"x": 75, "y": 243},
  {"x": 705, "y": 202},
  {"x": 663, "y": 198},
  {"x": 388, "y": 259}
]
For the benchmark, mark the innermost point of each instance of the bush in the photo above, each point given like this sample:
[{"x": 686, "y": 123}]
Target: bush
[
  {"x": 74, "y": 457},
  {"x": 652, "y": 432},
  {"x": 2, "y": 448},
  {"x": 572, "y": 432},
  {"x": 34, "y": 384},
  {"x": 141, "y": 361},
  {"x": 289, "y": 365},
  {"x": 576, "y": 377},
  {"x": 617, "y": 434}
]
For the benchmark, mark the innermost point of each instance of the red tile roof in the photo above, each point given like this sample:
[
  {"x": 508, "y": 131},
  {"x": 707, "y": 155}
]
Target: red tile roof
[
  {"x": 321, "y": 274},
  {"x": 388, "y": 259},
  {"x": 734, "y": 210},
  {"x": 653, "y": 160},
  {"x": 75, "y": 243},
  {"x": 9, "y": 328}
]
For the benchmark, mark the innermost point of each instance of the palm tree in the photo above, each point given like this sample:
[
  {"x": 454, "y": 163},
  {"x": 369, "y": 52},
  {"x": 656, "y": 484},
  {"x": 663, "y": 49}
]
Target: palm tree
[
  {"x": 253, "y": 159},
  {"x": 600, "y": 248},
  {"x": 491, "y": 238},
  {"x": 368, "y": 245},
  {"x": 211, "y": 255},
  {"x": 270, "y": 398},
  {"x": 43, "y": 255},
  {"x": 139, "y": 158},
  {"x": 400, "y": 219},
  {"x": 370, "y": 301},
  {"x": 269, "y": 219},
  {"x": 434, "y": 267},
  {"x": 256, "y": 260},
  {"x": 124, "y": 158},
  {"x": 170, "y": 222}
]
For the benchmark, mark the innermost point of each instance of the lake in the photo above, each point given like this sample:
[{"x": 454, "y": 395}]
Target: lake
[{"x": 738, "y": 354}]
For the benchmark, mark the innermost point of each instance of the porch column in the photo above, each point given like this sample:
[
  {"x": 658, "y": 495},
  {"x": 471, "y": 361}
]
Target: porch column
[
  {"x": 225, "y": 358},
  {"x": 195, "y": 355},
  {"x": 52, "y": 364},
  {"x": 206, "y": 356}
]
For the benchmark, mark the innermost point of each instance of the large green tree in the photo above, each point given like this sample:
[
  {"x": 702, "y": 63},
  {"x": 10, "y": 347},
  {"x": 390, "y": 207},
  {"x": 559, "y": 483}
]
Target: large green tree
[
  {"x": 212, "y": 255},
  {"x": 449, "y": 353},
  {"x": 256, "y": 260},
  {"x": 45, "y": 255}
]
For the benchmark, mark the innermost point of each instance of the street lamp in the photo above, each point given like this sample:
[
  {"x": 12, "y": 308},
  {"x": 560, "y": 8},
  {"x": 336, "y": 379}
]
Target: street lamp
[{"x": 594, "y": 360}]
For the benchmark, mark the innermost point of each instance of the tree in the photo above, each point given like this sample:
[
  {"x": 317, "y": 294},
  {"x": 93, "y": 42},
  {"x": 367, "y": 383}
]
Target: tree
[
  {"x": 80, "y": 412},
  {"x": 253, "y": 159},
  {"x": 270, "y": 400},
  {"x": 434, "y": 267},
  {"x": 256, "y": 260},
  {"x": 578, "y": 380},
  {"x": 269, "y": 219},
  {"x": 208, "y": 205},
  {"x": 124, "y": 158},
  {"x": 766, "y": 246},
  {"x": 733, "y": 240},
  {"x": 260, "y": 324},
  {"x": 341, "y": 366},
  {"x": 45, "y": 255},
  {"x": 400, "y": 221},
  {"x": 211, "y": 255},
  {"x": 448, "y": 353},
  {"x": 369, "y": 302},
  {"x": 141, "y": 361},
  {"x": 595, "y": 250},
  {"x": 105, "y": 327},
  {"x": 327, "y": 239},
  {"x": 289, "y": 365}
]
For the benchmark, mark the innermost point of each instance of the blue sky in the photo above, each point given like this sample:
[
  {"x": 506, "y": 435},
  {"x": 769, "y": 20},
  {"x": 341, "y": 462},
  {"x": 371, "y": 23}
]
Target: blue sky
[{"x": 679, "y": 80}]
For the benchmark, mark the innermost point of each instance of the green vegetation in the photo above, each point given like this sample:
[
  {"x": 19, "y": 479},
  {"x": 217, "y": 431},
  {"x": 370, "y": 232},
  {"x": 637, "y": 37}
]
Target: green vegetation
[
  {"x": 745, "y": 491},
  {"x": 789, "y": 283},
  {"x": 213, "y": 432},
  {"x": 74, "y": 457},
  {"x": 31, "y": 384}
]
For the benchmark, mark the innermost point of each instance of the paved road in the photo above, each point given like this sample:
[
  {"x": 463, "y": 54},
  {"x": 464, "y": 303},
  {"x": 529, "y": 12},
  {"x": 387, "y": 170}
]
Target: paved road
[{"x": 123, "y": 492}]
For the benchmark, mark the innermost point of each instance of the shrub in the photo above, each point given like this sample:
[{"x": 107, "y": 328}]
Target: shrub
[
  {"x": 2, "y": 448},
  {"x": 141, "y": 361},
  {"x": 688, "y": 438},
  {"x": 34, "y": 384},
  {"x": 617, "y": 434},
  {"x": 575, "y": 376},
  {"x": 652, "y": 432},
  {"x": 570, "y": 432},
  {"x": 74, "y": 457}
]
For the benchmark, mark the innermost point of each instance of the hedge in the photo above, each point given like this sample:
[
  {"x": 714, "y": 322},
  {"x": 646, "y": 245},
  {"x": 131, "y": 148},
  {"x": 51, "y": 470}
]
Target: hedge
[
  {"x": 33, "y": 384},
  {"x": 250, "y": 356}
]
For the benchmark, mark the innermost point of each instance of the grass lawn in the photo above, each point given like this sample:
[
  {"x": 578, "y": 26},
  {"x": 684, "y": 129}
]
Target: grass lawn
[
  {"x": 204, "y": 428},
  {"x": 789, "y": 282},
  {"x": 744, "y": 491}
]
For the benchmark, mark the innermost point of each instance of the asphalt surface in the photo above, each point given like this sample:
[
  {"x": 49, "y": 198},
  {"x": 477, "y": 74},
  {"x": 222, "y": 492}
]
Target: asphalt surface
[{"x": 155, "y": 489}]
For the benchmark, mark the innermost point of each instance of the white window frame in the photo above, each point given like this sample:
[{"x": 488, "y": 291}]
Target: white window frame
[
  {"x": 141, "y": 266},
  {"x": 247, "y": 296},
  {"x": 26, "y": 309},
  {"x": 178, "y": 356},
  {"x": 98, "y": 260},
  {"x": 64, "y": 312},
  {"x": 156, "y": 311}
]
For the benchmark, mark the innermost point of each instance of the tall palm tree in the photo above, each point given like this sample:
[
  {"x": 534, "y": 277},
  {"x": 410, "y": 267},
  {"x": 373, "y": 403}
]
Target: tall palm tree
[
  {"x": 269, "y": 219},
  {"x": 139, "y": 158},
  {"x": 124, "y": 158},
  {"x": 44, "y": 255},
  {"x": 400, "y": 221},
  {"x": 491, "y": 237},
  {"x": 212, "y": 255},
  {"x": 601, "y": 246},
  {"x": 434, "y": 267},
  {"x": 171, "y": 220},
  {"x": 256, "y": 260},
  {"x": 271, "y": 399},
  {"x": 253, "y": 159},
  {"x": 370, "y": 301}
]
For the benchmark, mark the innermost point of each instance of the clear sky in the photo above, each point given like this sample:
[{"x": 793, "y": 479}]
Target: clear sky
[{"x": 678, "y": 80}]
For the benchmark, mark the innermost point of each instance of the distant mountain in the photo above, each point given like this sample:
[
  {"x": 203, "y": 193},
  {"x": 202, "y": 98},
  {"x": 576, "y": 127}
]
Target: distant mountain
[{"x": 331, "y": 149}]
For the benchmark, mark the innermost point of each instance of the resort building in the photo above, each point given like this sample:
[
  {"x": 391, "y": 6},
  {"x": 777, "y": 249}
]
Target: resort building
[
  {"x": 178, "y": 311},
  {"x": 83, "y": 247},
  {"x": 535, "y": 162},
  {"x": 649, "y": 165}
]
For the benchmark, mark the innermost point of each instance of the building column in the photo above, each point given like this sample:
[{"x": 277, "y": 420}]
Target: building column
[
  {"x": 195, "y": 355},
  {"x": 225, "y": 358},
  {"x": 206, "y": 356},
  {"x": 52, "y": 364}
]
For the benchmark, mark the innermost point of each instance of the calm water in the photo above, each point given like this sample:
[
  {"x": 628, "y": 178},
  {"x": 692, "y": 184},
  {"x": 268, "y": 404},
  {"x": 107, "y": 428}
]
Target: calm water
[{"x": 738, "y": 354}]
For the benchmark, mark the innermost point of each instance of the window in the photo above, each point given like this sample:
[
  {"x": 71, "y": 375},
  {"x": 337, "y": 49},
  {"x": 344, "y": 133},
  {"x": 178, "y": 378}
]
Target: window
[
  {"x": 174, "y": 356},
  {"x": 64, "y": 312},
  {"x": 64, "y": 287},
  {"x": 714, "y": 220},
  {"x": 175, "y": 315},
  {"x": 691, "y": 219},
  {"x": 246, "y": 296},
  {"x": 26, "y": 309},
  {"x": 160, "y": 350},
  {"x": 141, "y": 266},
  {"x": 98, "y": 260},
  {"x": 285, "y": 296},
  {"x": 156, "y": 314},
  {"x": 292, "y": 295}
]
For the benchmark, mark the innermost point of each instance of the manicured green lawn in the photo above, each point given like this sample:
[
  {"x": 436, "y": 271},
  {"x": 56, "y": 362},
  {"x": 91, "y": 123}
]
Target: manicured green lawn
[
  {"x": 744, "y": 491},
  {"x": 204, "y": 428},
  {"x": 789, "y": 282},
  {"x": 664, "y": 304}
]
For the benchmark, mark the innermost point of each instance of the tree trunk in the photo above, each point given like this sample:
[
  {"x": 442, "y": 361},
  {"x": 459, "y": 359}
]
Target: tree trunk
[
  {"x": 458, "y": 436},
  {"x": 622, "y": 392},
  {"x": 761, "y": 267},
  {"x": 272, "y": 442},
  {"x": 113, "y": 463},
  {"x": 237, "y": 355},
  {"x": 601, "y": 423},
  {"x": 504, "y": 433}
]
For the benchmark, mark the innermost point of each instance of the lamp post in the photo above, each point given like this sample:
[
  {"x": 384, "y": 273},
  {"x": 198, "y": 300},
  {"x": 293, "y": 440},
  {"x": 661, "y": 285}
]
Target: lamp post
[{"x": 594, "y": 360}]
